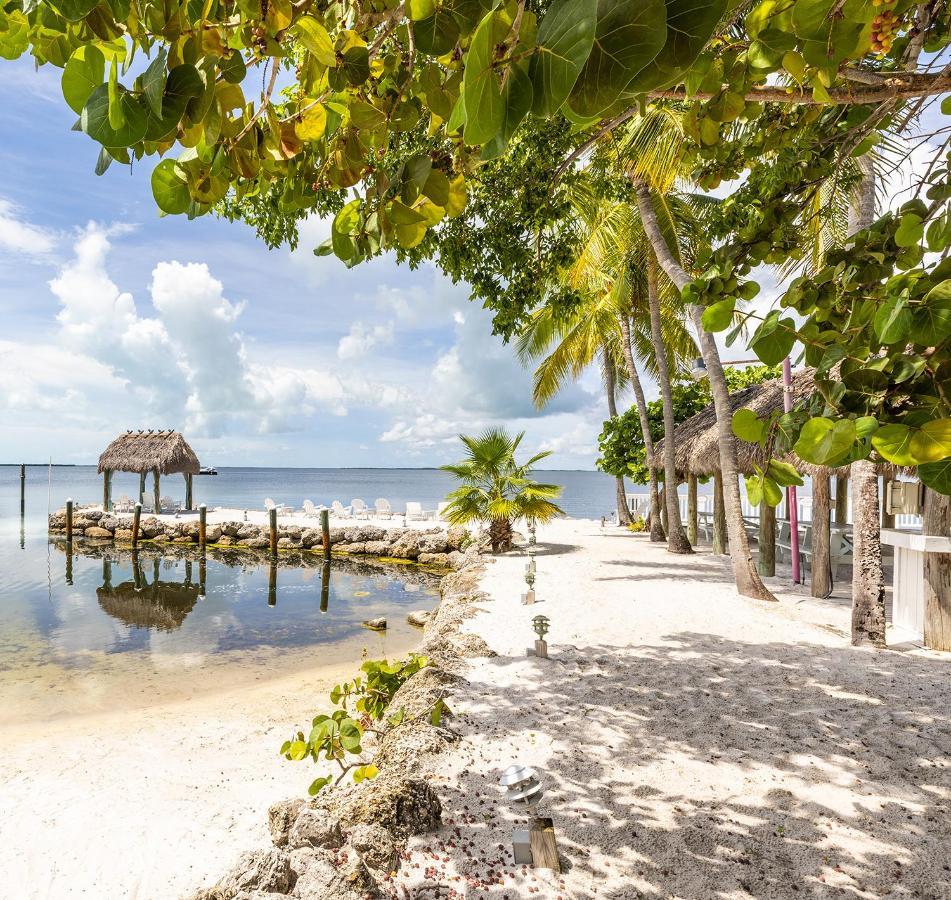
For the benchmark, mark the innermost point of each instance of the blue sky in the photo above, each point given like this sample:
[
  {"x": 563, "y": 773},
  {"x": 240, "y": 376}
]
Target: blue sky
[{"x": 115, "y": 318}]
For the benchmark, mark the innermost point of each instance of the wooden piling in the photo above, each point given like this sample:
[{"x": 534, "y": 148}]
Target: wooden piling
[
  {"x": 156, "y": 484},
  {"x": 142, "y": 488},
  {"x": 202, "y": 526},
  {"x": 22, "y": 490},
  {"x": 766, "y": 562},
  {"x": 692, "y": 509},
  {"x": 272, "y": 584},
  {"x": 272, "y": 517},
  {"x": 136, "y": 518},
  {"x": 188, "y": 490},
  {"x": 69, "y": 521},
  {"x": 325, "y": 587},
  {"x": 107, "y": 490},
  {"x": 325, "y": 531}
]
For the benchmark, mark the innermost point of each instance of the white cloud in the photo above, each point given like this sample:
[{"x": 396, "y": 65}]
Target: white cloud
[
  {"x": 364, "y": 338},
  {"x": 20, "y": 237}
]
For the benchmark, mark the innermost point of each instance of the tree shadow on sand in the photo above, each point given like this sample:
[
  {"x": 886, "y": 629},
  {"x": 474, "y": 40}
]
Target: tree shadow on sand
[{"x": 815, "y": 771}]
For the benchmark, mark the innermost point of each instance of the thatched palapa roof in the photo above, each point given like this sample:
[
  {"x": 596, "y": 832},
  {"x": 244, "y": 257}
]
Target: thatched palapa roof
[
  {"x": 145, "y": 451},
  {"x": 696, "y": 446}
]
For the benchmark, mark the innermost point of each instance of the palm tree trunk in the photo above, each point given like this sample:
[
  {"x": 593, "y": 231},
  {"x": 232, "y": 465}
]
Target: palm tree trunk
[
  {"x": 500, "y": 535},
  {"x": 868, "y": 580},
  {"x": 657, "y": 530},
  {"x": 623, "y": 513},
  {"x": 748, "y": 581},
  {"x": 676, "y": 539}
]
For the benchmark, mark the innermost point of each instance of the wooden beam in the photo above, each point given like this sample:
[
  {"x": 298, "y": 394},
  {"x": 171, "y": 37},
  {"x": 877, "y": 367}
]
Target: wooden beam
[
  {"x": 821, "y": 569},
  {"x": 541, "y": 837},
  {"x": 767, "y": 539},
  {"x": 692, "y": 509}
]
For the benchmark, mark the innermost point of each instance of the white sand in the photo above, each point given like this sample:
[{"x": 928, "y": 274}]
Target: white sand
[
  {"x": 694, "y": 743},
  {"x": 149, "y": 803}
]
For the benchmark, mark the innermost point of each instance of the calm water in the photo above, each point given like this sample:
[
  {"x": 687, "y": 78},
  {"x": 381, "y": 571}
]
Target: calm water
[{"x": 97, "y": 629}]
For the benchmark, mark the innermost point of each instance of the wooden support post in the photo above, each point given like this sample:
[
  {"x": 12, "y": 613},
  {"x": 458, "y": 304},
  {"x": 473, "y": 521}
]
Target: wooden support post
[
  {"x": 142, "y": 488},
  {"x": 272, "y": 584},
  {"x": 325, "y": 587},
  {"x": 272, "y": 524},
  {"x": 821, "y": 569},
  {"x": 766, "y": 562},
  {"x": 107, "y": 490},
  {"x": 325, "y": 531},
  {"x": 22, "y": 490},
  {"x": 937, "y": 574},
  {"x": 136, "y": 517},
  {"x": 888, "y": 520},
  {"x": 202, "y": 526},
  {"x": 692, "y": 509},
  {"x": 156, "y": 484},
  {"x": 188, "y": 490},
  {"x": 69, "y": 521},
  {"x": 544, "y": 849},
  {"x": 841, "y": 499},
  {"x": 720, "y": 545}
]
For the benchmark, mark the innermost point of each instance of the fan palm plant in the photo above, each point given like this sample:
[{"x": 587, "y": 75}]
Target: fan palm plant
[{"x": 498, "y": 490}]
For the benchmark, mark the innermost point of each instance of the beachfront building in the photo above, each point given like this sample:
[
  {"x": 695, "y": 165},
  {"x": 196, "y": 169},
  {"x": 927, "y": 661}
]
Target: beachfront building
[{"x": 158, "y": 452}]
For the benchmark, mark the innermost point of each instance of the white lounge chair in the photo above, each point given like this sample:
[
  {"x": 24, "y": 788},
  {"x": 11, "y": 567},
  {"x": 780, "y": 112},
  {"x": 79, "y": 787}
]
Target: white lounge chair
[
  {"x": 339, "y": 511},
  {"x": 383, "y": 508},
  {"x": 414, "y": 510},
  {"x": 360, "y": 509},
  {"x": 310, "y": 510},
  {"x": 281, "y": 508}
]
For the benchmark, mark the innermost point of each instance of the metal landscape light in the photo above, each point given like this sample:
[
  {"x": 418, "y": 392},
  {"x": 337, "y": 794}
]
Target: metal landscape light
[
  {"x": 698, "y": 370},
  {"x": 533, "y": 846},
  {"x": 540, "y": 626}
]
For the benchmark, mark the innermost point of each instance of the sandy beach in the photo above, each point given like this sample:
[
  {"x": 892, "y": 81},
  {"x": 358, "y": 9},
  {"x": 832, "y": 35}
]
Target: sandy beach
[{"x": 693, "y": 743}]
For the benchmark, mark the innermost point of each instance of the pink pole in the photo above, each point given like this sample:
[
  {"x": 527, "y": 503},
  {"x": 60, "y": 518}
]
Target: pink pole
[{"x": 792, "y": 509}]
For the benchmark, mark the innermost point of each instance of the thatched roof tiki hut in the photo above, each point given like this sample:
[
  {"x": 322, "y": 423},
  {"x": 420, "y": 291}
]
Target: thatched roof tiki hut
[
  {"x": 697, "y": 454},
  {"x": 158, "y": 452}
]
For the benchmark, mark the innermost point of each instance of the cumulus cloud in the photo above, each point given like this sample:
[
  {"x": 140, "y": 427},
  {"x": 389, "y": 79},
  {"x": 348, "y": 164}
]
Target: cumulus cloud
[
  {"x": 19, "y": 236},
  {"x": 363, "y": 338}
]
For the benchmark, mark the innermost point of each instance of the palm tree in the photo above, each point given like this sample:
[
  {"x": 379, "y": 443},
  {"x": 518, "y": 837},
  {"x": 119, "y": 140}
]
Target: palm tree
[
  {"x": 610, "y": 389},
  {"x": 497, "y": 489}
]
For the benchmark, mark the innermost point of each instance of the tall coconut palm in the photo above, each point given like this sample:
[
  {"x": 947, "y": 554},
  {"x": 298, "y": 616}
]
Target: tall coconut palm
[
  {"x": 610, "y": 389},
  {"x": 498, "y": 490}
]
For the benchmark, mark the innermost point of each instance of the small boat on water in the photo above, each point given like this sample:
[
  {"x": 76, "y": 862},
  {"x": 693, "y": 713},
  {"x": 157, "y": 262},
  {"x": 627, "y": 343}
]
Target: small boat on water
[{"x": 207, "y": 470}]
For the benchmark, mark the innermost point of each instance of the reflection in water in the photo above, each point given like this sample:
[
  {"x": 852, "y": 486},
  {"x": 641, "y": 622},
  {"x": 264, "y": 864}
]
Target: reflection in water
[
  {"x": 159, "y": 605},
  {"x": 325, "y": 586}
]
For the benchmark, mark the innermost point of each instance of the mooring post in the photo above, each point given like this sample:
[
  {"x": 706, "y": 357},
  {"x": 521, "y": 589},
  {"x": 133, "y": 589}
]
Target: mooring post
[
  {"x": 22, "y": 490},
  {"x": 141, "y": 487},
  {"x": 272, "y": 515},
  {"x": 188, "y": 490},
  {"x": 202, "y": 526},
  {"x": 136, "y": 516},
  {"x": 325, "y": 587},
  {"x": 325, "y": 531},
  {"x": 272, "y": 584},
  {"x": 69, "y": 521},
  {"x": 107, "y": 490}
]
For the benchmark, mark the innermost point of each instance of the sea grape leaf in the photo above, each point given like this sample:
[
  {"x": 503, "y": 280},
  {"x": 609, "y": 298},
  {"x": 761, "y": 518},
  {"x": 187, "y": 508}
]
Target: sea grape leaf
[
  {"x": 95, "y": 118},
  {"x": 84, "y": 72},
  {"x": 628, "y": 36},
  {"x": 774, "y": 338},
  {"x": 893, "y": 442},
  {"x": 718, "y": 316},
  {"x": 747, "y": 426},
  {"x": 485, "y": 105},
  {"x": 784, "y": 473},
  {"x": 315, "y": 38},
  {"x": 892, "y": 321},
  {"x": 825, "y": 441},
  {"x": 936, "y": 475},
  {"x": 517, "y": 97},
  {"x": 170, "y": 188},
  {"x": 438, "y": 34},
  {"x": 565, "y": 37}
]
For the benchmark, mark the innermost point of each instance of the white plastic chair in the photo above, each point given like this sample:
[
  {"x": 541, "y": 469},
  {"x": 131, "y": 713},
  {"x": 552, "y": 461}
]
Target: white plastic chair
[
  {"x": 269, "y": 504},
  {"x": 383, "y": 508},
  {"x": 310, "y": 510},
  {"x": 339, "y": 510},
  {"x": 360, "y": 509},
  {"x": 414, "y": 510}
]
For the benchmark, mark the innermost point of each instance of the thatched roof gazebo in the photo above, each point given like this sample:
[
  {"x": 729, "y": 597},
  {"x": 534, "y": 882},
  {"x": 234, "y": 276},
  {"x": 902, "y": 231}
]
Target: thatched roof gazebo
[
  {"x": 157, "y": 605},
  {"x": 158, "y": 452}
]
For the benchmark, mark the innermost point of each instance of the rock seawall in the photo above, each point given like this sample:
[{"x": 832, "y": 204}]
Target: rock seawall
[
  {"x": 345, "y": 843},
  {"x": 433, "y": 547}
]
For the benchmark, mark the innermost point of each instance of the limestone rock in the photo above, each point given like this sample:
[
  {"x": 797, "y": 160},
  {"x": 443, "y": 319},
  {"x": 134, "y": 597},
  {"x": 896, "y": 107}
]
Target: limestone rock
[
  {"x": 94, "y": 531},
  {"x": 456, "y": 560},
  {"x": 375, "y": 624},
  {"x": 310, "y": 537},
  {"x": 151, "y": 527},
  {"x": 291, "y": 531},
  {"x": 406, "y": 546},
  {"x": 314, "y": 827},
  {"x": 94, "y": 515},
  {"x": 324, "y": 876},
  {"x": 255, "y": 543},
  {"x": 377, "y": 548},
  {"x": 111, "y": 523},
  {"x": 436, "y": 560},
  {"x": 123, "y": 534},
  {"x": 286, "y": 543},
  {"x": 457, "y": 537},
  {"x": 404, "y": 806},
  {"x": 433, "y": 543},
  {"x": 419, "y": 617},
  {"x": 231, "y": 529},
  {"x": 226, "y": 540},
  {"x": 281, "y": 816},
  {"x": 375, "y": 846},
  {"x": 259, "y": 870},
  {"x": 213, "y": 533},
  {"x": 246, "y": 532},
  {"x": 357, "y": 547}
]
